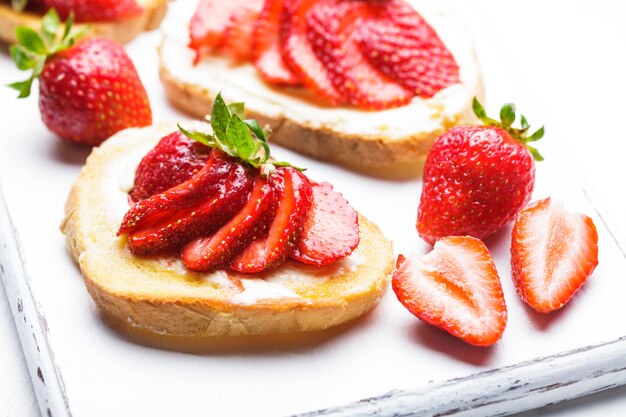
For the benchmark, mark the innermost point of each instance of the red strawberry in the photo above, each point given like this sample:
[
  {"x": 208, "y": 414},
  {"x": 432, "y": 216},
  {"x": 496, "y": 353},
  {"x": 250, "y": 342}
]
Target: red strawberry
[
  {"x": 333, "y": 35},
  {"x": 201, "y": 187},
  {"x": 285, "y": 228},
  {"x": 95, "y": 10},
  {"x": 298, "y": 53},
  {"x": 402, "y": 45},
  {"x": 171, "y": 232},
  {"x": 87, "y": 92},
  {"x": 239, "y": 35},
  {"x": 331, "y": 229},
  {"x": 248, "y": 224},
  {"x": 476, "y": 178},
  {"x": 266, "y": 53},
  {"x": 175, "y": 159},
  {"x": 456, "y": 288},
  {"x": 553, "y": 252},
  {"x": 211, "y": 21}
]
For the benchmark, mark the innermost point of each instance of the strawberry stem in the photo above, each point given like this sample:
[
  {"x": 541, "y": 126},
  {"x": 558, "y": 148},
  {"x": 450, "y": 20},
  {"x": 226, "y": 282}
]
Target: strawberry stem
[
  {"x": 238, "y": 137},
  {"x": 33, "y": 48},
  {"x": 507, "y": 118}
]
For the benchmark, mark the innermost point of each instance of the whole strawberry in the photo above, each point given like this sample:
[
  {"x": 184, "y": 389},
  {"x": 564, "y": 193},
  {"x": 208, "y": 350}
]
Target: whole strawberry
[
  {"x": 87, "y": 91},
  {"x": 477, "y": 178}
]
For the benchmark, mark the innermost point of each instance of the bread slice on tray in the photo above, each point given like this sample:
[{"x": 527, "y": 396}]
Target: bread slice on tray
[
  {"x": 161, "y": 296},
  {"x": 122, "y": 31},
  {"x": 300, "y": 121}
]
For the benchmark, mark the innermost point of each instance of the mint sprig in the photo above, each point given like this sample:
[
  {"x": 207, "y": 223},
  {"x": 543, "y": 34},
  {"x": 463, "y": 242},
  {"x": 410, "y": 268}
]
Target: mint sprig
[
  {"x": 238, "y": 137},
  {"x": 507, "y": 118},
  {"x": 33, "y": 48}
]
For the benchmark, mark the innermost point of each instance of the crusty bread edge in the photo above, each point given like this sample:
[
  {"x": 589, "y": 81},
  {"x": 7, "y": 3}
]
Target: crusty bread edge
[
  {"x": 175, "y": 316},
  {"x": 325, "y": 144},
  {"x": 123, "y": 31}
]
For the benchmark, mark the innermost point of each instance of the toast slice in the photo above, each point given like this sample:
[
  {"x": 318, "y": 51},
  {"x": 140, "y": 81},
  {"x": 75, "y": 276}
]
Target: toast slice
[
  {"x": 122, "y": 31},
  {"x": 300, "y": 121},
  {"x": 161, "y": 296}
]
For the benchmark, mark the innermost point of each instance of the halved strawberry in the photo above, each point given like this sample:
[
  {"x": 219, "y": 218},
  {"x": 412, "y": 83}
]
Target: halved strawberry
[
  {"x": 175, "y": 159},
  {"x": 182, "y": 226},
  {"x": 211, "y": 20},
  {"x": 401, "y": 44},
  {"x": 456, "y": 288},
  {"x": 298, "y": 53},
  {"x": 239, "y": 35},
  {"x": 284, "y": 231},
  {"x": 332, "y": 32},
  {"x": 266, "y": 50},
  {"x": 553, "y": 252},
  {"x": 184, "y": 195},
  {"x": 331, "y": 229},
  {"x": 248, "y": 224}
]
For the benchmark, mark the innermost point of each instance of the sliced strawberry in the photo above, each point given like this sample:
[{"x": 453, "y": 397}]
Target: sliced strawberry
[
  {"x": 94, "y": 10},
  {"x": 239, "y": 35},
  {"x": 332, "y": 32},
  {"x": 331, "y": 229},
  {"x": 266, "y": 48},
  {"x": 211, "y": 20},
  {"x": 284, "y": 231},
  {"x": 175, "y": 159},
  {"x": 171, "y": 232},
  {"x": 201, "y": 186},
  {"x": 456, "y": 288},
  {"x": 248, "y": 224},
  {"x": 553, "y": 252},
  {"x": 298, "y": 53},
  {"x": 402, "y": 45}
]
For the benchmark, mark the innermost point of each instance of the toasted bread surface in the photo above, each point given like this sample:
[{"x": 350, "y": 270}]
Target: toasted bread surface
[
  {"x": 300, "y": 121},
  {"x": 122, "y": 31},
  {"x": 161, "y": 296}
]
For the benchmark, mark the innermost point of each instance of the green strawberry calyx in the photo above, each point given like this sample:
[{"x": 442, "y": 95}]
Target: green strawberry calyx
[
  {"x": 238, "y": 137},
  {"x": 33, "y": 48},
  {"x": 507, "y": 118}
]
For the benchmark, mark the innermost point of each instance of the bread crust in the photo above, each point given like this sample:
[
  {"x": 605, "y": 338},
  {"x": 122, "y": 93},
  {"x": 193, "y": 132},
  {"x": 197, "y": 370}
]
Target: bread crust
[
  {"x": 122, "y": 31},
  {"x": 145, "y": 295}
]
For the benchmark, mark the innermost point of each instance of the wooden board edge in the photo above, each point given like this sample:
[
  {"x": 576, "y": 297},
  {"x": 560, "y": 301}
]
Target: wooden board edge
[{"x": 30, "y": 321}]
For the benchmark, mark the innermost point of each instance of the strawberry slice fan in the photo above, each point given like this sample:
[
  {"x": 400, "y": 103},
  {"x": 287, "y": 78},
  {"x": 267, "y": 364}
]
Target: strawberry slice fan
[{"x": 370, "y": 54}]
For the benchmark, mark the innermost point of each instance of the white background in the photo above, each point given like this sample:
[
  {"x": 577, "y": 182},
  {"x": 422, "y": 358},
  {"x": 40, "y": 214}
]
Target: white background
[{"x": 572, "y": 57}]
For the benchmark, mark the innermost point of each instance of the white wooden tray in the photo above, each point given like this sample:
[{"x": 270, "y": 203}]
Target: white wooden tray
[{"x": 81, "y": 367}]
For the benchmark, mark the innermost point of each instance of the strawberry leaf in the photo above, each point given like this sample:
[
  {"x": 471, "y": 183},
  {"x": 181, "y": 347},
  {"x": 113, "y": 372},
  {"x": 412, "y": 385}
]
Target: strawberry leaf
[
  {"x": 240, "y": 139},
  {"x": 30, "y": 40},
  {"x": 220, "y": 116},
  {"x": 236, "y": 109},
  {"x": 50, "y": 24},
  {"x": 18, "y": 5},
  {"x": 24, "y": 59},
  {"x": 23, "y": 87},
  {"x": 507, "y": 118}
]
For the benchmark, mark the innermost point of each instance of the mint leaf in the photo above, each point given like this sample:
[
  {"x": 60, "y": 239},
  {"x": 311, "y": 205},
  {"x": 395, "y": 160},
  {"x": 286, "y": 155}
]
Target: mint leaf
[
  {"x": 507, "y": 114},
  {"x": 236, "y": 109},
  {"x": 203, "y": 138},
  {"x": 220, "y": 117},
  {"x": 239, "y": 138},
  {"x": 253, "y": 125},
  {"x": 30, "y": 39}
]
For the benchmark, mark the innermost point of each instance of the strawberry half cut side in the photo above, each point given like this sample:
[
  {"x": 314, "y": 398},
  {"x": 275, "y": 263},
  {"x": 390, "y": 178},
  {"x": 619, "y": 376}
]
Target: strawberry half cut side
[
  {"x": 173, "y": 231},
  {"x": 293, "y": 205},
  {"x": 207, "y": 253},
  {"x": 266, "y": 49},
  {"x": 184, "y": 195},
  {"x": 455, "y": 287},
  {"x": 553, "y": 252},
  {"x": 330, "y": 231}
]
